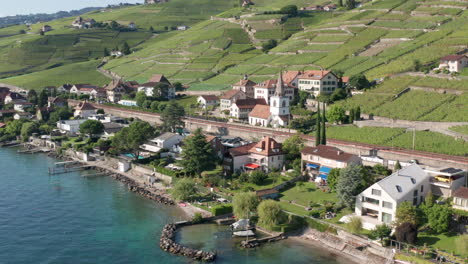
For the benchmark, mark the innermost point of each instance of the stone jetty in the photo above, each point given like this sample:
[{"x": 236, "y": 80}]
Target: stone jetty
[{"x": 168, "y": 244}]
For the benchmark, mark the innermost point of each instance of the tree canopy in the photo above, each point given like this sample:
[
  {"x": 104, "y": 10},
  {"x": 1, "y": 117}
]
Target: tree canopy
[
  {"x": 243, "y": 204},
  {"x": 197, "y": 154},
  {"x": 406, "y": 213},
  {"x": 336, "y": 114},
  {"x": 350, "y": 183},
  {"x": 91, "y": 128},
  {"x": 172, "y": 116},
  {"x": 289, "y": 9},
  {"x": 270, "y": 213},
  {"x": 293, "y": 146},
  {"x": 332, "y": 179},
  {"x": 132, "y": 137},
  {"x": 184, "y": 189},
  {"x": 439, "y": 217},
  {"x": 359, "y": 82}
]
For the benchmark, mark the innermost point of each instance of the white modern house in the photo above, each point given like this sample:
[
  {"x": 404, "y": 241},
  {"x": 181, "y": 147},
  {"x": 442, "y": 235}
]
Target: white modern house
[
  {"x": 453, "y": 63},
  {"x": 378, "y": 203},
  {"x": 70, "y": 126},
  {"x": 166, "y": 140}
]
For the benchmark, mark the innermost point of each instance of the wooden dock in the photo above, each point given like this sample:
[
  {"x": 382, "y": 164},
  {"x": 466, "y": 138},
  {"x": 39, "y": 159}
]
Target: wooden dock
[{"x": 63, "y": 170}]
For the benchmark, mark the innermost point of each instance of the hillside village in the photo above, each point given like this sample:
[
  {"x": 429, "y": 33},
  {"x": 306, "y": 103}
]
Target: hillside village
[{"x": 322, "y": 123}]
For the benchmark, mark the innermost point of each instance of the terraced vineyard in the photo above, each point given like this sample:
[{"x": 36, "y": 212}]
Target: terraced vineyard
[
  {"x": 415, "y": 104},
  {"x": 380, "y": 38}
]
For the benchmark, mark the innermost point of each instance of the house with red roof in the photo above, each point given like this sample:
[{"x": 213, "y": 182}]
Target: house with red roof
[
  {"x": 318, "y": 161},
  {"x": 167, "y": 90},
  {"x": 84, "y": 110},
  {"x": 318, "y": 82},
  {"x": 241, "y": 108},
  {"x": 266, "y": 89},
  {"x": 264, "y": 155},
  {"x": 245, "y": 85},
  {"x": 229, "y": 97},
  {"x": 453, "y": 63},
  {"x": 460, "y": 199}
]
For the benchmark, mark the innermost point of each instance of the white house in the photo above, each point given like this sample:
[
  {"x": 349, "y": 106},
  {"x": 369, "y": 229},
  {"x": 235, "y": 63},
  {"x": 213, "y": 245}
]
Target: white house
[
  {"x": 245, "y": 85},
  {"x": 84, "y": 110},
  {"x": 21, "y": 106},
  {"x": 241, "y": 108},
  {"x": 266, "y": 89},
  {"x": 277, "y": 113},
  {"x": 460, "y": 199},
  {"x": 22, "y": 115},
  {"x": 183, "y": 27},
  {"x": 378, "y": 203},
  {"x": 228, "y": 98},
  {"x": 70, "y": 126},
  {"x": 318, "y": 82},
  {"x": 166, "y": 140},
  {"x": 207, "y": 100},
  {"x": 454, "y": 63}
]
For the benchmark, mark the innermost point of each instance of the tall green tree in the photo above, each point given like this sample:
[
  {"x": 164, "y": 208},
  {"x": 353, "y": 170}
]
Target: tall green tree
[
  {"x": 397, "y": 165},
  {"x": 197, "y": 154},
  {"x": 91, "y": 128},
  {"x": 172, "y": 116},
  {"x": 350, "y": 184},
  {"x": 323, "y": 134},
  {"x": 382, "y": 231},
  {"x": 42, "y": 99},
  {"x": 333, "y": 177},
  {"x": 27, "y": 129},
  {"x": 106, "y": 52},
  {"x": 184, "y": 189},
  {"x": 359, "y": 82},
  {"x": 439, "y": 217},
  {"x": 126, "y": 48},
  {"x": 318, "y": 138},
  {"x": 336, "y": 114},
  {"x": 407, "y": 213},
  {"x": 293, "y": 146},
  {"x": 140, "y": 98},
  {"x": 357, "y": 113},
  {"x": 32, "y": 97},
  {"x": 61, "y": 113},
  {"x": 130, "y": 138},
  {"x": 270, "y": 213},
  {"x": 244, "y": 204}
]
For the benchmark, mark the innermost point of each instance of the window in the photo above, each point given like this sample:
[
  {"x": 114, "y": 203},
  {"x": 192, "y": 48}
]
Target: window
[
  {"x": 413, "y": 180},
  {"x": 415, "y": 200},
  {"x": 370, "y": 200},
  {"x": 386, "y": 218},
  {"x": 398, "y": 187},
  {"x": 415, "y": 193},
  {"x": 376, "y": 192},
  {"x": 422, "y": 188},
  {"x": 387, "y": 205}
]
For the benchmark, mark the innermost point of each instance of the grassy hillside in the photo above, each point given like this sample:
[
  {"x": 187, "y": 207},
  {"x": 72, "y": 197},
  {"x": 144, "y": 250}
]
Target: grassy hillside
[{"x": 380, "y": 38}]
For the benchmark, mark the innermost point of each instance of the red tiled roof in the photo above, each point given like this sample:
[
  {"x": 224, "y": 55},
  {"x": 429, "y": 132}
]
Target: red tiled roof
[
  {"x": 249, "y": 103},
  {"x": 245, "y": 83},
  {"x": 2, "y": 125},
  {"x": 229, "y": 94},
  {"x": 461, "y": 192},
  {"x": 328, "y": 152},
  {"x": 159, "y": 78},
  {"x": 267, "y": 84},
  {"x": 314, "y": 74},
  {"x": 267, "y": 146},
  {"x": 148, "y": 84},
  {"x": 452, "y": 57},
  {"x": 85, "y": 106},
  {"x": 242, "y": 150},
  {"x": 345, "y": 79},
  {"x": 260, "y": 111},
  {"x": 289, "y": 76}
]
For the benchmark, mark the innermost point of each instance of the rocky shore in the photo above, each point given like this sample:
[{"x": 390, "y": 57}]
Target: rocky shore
[{"x": 168, "y": 244}]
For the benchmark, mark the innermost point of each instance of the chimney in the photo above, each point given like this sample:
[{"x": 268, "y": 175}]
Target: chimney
[{"x": 339, "y": 152}]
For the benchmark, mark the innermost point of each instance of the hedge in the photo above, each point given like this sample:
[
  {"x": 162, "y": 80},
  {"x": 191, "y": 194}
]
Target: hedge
[{"x": 221, "y": 209}]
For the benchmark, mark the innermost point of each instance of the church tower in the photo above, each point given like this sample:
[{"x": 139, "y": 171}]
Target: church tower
[{"x": 279, "y": 102}]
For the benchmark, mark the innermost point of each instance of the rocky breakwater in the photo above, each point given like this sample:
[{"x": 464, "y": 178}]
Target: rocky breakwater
[
  {"x": 134, "y": 187},
  {"x": 168, "y": 244}
]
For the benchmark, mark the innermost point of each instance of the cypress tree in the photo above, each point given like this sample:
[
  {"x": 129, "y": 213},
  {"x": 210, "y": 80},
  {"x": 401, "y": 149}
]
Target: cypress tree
[
  {"x": 323, "y": 140},
  {"x": 317, "y": 127},
  {"x": 351, "y": 115},
  {"x": 357, "y": 113}
]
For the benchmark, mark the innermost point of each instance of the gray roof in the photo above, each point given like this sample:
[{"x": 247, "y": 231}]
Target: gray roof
[
  {"x": 166, "y": 136},
  {"x": 406, "y": 178},
  {"x": 112, "y": 127}
]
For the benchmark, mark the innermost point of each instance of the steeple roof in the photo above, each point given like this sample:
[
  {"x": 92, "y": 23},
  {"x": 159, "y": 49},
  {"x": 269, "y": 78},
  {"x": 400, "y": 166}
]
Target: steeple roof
[{"x": 279, "y": 85}]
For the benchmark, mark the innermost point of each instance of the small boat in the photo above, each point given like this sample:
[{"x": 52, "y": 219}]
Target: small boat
[{"x": 246, "y": 233}]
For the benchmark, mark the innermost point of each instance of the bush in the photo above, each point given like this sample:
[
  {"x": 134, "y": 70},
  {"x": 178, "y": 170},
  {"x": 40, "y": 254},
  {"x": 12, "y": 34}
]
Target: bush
[
  {"x": 407, "y": 232},
  {"x": 197, "y": 218},
  {"x": 258, "y": 177},
  {"x": 221, "y": 209},
  {"x": 355, "y": 225}
]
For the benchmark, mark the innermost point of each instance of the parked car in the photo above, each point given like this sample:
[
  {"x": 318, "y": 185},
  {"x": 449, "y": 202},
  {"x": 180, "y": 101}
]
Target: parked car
[{"x": 443, "y": 178}]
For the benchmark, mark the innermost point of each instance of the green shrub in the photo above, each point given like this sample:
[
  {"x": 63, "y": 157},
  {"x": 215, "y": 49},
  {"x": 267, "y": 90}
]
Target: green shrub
[{"x": 221, "y": 209}]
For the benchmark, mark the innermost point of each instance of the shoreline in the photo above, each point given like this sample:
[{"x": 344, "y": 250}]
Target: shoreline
[{"x": 189, "y": 210}]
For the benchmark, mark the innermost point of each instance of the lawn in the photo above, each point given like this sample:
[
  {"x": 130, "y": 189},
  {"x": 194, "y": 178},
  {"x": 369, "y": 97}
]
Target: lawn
[
  {"x": 303, "y": 195},
  {"x": 460, "y": 129},
  {"x": 445, "y": 242}
]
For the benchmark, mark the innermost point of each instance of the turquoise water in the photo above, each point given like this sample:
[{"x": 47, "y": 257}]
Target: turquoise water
[{"x": 71, "y": 219}]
